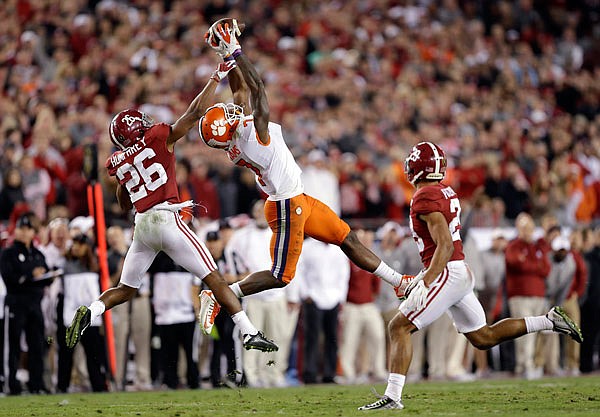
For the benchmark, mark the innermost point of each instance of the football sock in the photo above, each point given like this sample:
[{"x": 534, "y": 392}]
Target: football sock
[
  {"x": 537, "y": 323},
  {"x": 387, "y": 274},
  {"x": 97, "y": 308},
  {"x": 394, "y": 386},
  {"x": 241, "y": 319},
  {"x": 235, "y": 287}
]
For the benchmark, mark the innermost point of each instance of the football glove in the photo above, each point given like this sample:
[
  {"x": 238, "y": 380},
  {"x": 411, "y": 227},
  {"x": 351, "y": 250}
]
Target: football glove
[
  {"x": 222, "y": 70},
  {"x": 214, "y": 43},
  {"x": 400, "y": 290},
  {"x": 226, "y": 38},
  {"x": 416, "y": 295}
]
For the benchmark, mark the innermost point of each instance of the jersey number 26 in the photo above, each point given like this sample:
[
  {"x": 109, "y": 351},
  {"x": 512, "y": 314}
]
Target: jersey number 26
[{"x": 147, "y": 178}]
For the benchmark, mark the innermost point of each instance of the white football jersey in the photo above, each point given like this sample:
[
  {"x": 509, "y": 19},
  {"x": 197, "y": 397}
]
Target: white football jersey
[{"x": 277, "y": 173}]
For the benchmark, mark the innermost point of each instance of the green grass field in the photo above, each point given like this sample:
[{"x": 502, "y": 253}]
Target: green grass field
[{"x": 545, "y": 397}]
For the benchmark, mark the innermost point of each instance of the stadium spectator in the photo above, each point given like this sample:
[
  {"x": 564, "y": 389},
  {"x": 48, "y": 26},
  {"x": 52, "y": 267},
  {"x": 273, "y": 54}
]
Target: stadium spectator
[
  {"x": 2, "y": 303},
  {"x": 571, "y": 305},
  {"x": 22, "y": 267},
  {"x": 490, "y": 53},
  {"x": 205, "y": 188},
  {"x": 319, "y": 181},
  {"x": 325, "y": 272},
  {"x": 225, "y": 344},
  {"x": 248, "y": 251},
  {"x": 12, "y": 192},
  {"x": 54, "y": 252},
  {"x": 174, "y": 291},
  {"x": 132, "y": 322},
  {"x": 590, "y": 302},
  {"x": 490, "y": 296},
  {"x": 527, "y": 267},
  {"x": 362, "y": 325},
  {"x": 388, "y": 245},
  {"x": 81, "y": 285},
  {"x": 36, "y": 186},
  {"x": 558, "y": 284}
]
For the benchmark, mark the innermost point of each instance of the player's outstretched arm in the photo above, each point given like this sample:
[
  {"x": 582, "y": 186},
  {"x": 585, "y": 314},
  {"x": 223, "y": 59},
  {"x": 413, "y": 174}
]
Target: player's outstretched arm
[
  {"x": 193, "y": 113},
  {"x": 240, "y": 90},
  {"x": 199, "y": 104},
  {"x": 258, "y": 97},
  {"x": 222, "y": 37}
]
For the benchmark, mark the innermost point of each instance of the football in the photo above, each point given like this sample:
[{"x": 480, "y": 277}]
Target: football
[{"x": 233, "y": 24}]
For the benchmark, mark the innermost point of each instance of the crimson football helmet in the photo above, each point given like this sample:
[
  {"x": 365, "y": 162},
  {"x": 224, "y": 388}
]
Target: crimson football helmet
[
  {"x": 426, "y": 161},
  {"x": 219, "y": 124},
  {"x": 128, "y": 126}
]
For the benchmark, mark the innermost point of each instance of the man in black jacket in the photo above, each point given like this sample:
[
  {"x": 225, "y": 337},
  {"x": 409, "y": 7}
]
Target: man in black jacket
[
  {"x": 22, "y": 266},
  {"x": 590, "y": 302}
]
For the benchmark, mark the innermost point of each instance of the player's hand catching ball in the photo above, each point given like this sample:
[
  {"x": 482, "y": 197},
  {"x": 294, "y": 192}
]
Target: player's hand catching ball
[{"x": 222, "y": 37}]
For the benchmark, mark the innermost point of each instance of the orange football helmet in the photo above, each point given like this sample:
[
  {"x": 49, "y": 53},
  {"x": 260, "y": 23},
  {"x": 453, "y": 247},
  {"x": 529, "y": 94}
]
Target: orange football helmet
[{"x": 219, "y": 124}]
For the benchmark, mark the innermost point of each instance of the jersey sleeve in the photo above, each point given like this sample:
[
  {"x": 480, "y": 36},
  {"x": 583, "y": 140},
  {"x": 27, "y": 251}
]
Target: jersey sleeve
[
  {"x": 427, "y": 201},
  {"x": 158, "y": 132},
  {"x": 112, "y": 168}
]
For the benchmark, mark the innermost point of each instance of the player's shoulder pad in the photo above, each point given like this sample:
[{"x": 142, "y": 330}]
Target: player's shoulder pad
[
  {"x": 113, "y": 162},
  {"x": 159, "y": 131}
]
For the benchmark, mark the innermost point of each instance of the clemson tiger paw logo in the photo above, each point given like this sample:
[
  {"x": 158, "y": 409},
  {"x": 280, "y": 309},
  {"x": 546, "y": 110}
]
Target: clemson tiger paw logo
[{"x": 218, "y": 127}]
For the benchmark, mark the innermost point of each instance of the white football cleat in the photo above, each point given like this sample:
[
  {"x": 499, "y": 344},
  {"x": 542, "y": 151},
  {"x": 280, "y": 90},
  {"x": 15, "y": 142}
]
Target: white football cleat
[{"x": 209, "y": 309}]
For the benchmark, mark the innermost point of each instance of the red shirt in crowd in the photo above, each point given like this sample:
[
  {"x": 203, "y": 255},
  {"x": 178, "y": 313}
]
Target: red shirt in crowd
[
  {"x": 527, "y": 267},
  {"x": 363, "y": 286},
  {"x": 581, "y": 275}
]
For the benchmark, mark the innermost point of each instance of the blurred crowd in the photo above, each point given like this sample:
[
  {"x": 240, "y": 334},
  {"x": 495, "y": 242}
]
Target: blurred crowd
[{"x": 509, "y": 89}]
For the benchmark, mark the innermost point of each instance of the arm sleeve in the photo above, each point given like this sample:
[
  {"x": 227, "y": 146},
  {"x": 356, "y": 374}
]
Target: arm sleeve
[
  {"x": 159, "y": 131},
  {"x": 112, "y": 171}
]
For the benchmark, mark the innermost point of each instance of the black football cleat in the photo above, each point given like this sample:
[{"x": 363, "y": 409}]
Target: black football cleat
[
  {"x": 258, "y": 341},
  {"x": 81, "y": 321}
]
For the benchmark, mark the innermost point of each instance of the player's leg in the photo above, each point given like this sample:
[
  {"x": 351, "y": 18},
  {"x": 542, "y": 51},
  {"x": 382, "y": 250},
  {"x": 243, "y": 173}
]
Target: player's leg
[
  {"x": 137, "y": 261},
  {"x": 324, "y": 225},
  {"x": 400, "y": 357},
  {"x": 489, "y": 336},
  {"x": 255, "y": 283},
  {"x": 184, "y": 247},
  {"x": 448, "y": 288},
  {"x": 286, "y": 219},
  {"x": 253, "y": 339}
]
